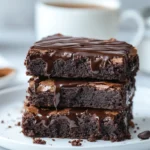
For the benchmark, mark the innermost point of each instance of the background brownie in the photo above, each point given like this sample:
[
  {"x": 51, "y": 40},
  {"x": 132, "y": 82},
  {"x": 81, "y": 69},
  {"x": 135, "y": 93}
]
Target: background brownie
[
  {"x": 69, "y": 57},
  {"x": 70, "y": 93},
  {"x": 76, "y": 123}
]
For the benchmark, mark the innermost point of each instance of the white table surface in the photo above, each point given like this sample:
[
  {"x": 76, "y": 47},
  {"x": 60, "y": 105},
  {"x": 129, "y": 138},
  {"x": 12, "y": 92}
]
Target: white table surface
[{"x": 15, "y": 44}]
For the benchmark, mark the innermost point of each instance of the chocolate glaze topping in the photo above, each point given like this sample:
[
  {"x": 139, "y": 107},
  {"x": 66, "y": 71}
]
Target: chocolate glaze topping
[
  {"x": 70, "y": 114},
  {"x": 99, "y": 52}
]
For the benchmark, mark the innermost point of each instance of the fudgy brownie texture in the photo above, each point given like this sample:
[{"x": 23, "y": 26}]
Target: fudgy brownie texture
[
  {"x": 71, "y": 57},
  {"x": 76, "y": 123},
  {"x": 70, "y": 93}
]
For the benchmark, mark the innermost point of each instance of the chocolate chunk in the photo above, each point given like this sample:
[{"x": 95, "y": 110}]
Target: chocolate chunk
[{"x": 144, "y": 135}]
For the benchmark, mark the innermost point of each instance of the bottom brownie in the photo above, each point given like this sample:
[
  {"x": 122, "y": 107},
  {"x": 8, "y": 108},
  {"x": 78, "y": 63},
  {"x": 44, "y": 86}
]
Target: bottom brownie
[{"x": 77, "y": 123}]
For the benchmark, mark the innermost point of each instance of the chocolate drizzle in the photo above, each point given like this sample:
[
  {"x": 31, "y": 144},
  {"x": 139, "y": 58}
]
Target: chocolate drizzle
[
  {"x": 99, "y": 52},
  {"x": 71, "y": 115}
]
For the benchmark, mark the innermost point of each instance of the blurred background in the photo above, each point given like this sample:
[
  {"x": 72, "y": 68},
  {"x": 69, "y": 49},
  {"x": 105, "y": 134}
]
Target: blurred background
[{"x": 17, "y": 34}]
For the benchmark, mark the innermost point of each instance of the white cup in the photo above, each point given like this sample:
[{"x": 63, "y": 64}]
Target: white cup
[{"x": 101, "y": 22}]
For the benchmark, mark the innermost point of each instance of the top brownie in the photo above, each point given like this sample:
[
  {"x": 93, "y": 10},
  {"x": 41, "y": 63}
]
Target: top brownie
[{"x": 71, "y": 57}]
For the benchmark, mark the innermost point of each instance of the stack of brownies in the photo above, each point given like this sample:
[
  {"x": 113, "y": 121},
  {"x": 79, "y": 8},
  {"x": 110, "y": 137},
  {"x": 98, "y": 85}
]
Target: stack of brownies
[{"x": 80, "y": 88}]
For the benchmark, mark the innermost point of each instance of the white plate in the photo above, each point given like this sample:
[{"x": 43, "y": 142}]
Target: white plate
[{"x": 11, "y": 103}]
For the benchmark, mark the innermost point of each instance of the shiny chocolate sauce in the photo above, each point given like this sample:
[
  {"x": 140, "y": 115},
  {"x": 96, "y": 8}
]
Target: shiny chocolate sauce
[
  {"x": 98, "y": 52},
  {"x": 71, "y": 115}
]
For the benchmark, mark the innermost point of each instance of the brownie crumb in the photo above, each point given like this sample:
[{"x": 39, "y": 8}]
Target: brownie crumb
[
  {"x": 39, "y": 141},
  {"x": 9, "y": 126},
  {"x": 53, "y": 139},
  {"x": 135, "y": 131},
  {"x": 138, "y": 128},
  {"x": 132, "y": 124},
  {"x": 144, "y": 135},
  {"x": 2, "y": 121},
  {"x": 92, "y": 139},
  {"x": 18, "y": 124},
  {"x": 76, "y": 142}
]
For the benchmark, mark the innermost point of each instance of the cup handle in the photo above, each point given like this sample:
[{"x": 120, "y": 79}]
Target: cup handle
[{"x": 132, "y": 14}]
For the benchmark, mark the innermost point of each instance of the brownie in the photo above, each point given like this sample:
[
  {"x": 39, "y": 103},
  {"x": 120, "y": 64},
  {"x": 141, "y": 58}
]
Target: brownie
[
  {"x": 39, "y": 141},
  {"x": 76, "y": 93},
  {"x": 76, "y": 123},
  {"x": 73, "y": 57}
]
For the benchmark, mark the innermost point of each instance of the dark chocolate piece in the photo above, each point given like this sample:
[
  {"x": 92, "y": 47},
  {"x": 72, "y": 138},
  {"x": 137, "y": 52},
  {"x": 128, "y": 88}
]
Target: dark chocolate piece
[
  {"x": 70, "y": 93},
  {"x": 76, "y": 123},
  {"x": 144, "y": 135},
  {"x": 71, "y": 57}
]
